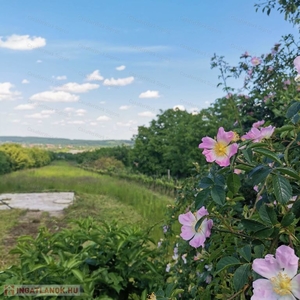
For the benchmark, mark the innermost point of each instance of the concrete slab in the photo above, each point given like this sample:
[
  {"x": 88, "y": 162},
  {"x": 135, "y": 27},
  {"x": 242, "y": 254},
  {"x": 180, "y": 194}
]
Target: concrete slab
[{"x": 50, "y": 202}]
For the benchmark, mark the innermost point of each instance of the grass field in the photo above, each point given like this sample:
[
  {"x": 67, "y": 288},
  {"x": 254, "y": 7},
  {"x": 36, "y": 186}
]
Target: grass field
[{"x": 102, "y": 197}]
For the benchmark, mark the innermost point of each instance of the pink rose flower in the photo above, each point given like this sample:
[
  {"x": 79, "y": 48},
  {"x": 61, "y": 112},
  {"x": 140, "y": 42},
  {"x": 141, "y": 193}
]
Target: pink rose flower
[
  {"x": 188, "y": 230},
  {"x": 255, "y": 61},
  {"x": 281, "y": 281},
  {"x": 219, "y": 150},
  {"x": 257, "y": 135},
  {"x": 297, "y": 64}
]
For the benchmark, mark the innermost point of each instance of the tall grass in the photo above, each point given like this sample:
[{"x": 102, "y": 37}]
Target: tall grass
[{"x": 62, "y": 177}]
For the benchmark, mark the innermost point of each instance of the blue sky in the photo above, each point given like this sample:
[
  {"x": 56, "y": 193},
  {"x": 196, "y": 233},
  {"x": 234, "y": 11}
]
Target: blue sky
[{"x": 99, "y": 69}]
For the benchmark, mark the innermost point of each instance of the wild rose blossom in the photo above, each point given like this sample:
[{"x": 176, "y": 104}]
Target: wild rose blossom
[
  {"x": 188, "y": 230},
  {"x": 281, "y": 281},
  {"x": 219, "y": 151},
  {"x": 256, "y": 135},
  {"x": 255, "y": 61},
  {"x": 297, "y": 66}
]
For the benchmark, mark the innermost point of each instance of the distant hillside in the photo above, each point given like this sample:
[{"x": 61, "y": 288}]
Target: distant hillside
[{"x": 62, "y": 142}]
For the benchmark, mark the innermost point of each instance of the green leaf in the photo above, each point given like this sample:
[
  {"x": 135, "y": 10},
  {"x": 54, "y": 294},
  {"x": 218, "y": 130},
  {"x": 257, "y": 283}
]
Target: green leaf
[
  {"x": 226, "y": 262},
  {"x": 201, "y": 198},
  {"x": 293, "y": 110},
  {"x": 290, "y": 172},
  {"x": 259, "y": 251},
  {"x": 264, "y": 233},
  {"x": 282, "y": 189},
  {"x": 78, "y": 274},
  {"x": 267, "y": 153},
  {"x": 259, "y": 174},
  {"x": 296, "y": 208},
  {"x": 285, "y": 128},
  {"x": 233, "y": 183},
  {"x": 288, "y": 219},
  {"x": 248, "y": 155},
  {"x": 205, "y": 183},
  {"x": 241, "y": 276},
  {"x": 245, "y": 252},
  {"x": 257, "y": 145},
  {"x": 218, "y": 194},
  {"x": 268, "y": 214},
  {"x": 252, "y": 225}
]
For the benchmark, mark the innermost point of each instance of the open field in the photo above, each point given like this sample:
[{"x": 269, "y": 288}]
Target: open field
[{"x": 102, "y": 197}]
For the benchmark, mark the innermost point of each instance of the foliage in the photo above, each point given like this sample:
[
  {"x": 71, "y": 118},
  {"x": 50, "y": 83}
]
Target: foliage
[
  {"x": 21, "y": 158},
  {"x": 107, "y": 261},
  {"x": 5, "y": 163},
  {"x": 108, "y": 163}
]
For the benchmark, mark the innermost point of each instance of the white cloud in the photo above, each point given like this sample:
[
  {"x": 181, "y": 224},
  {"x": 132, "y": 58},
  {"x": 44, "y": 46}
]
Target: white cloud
[
  {"x": 129, "y": 123},
  {"x": 102, "y": 102},
  {"x": 51, "y": 96},
  {"x": 22, "y": 42},
  {"x": 124, "y": 107},
  {"x": 179, "y": 107},
  {"x": 69, "y": 109},
  {"x": 25, "y": 107},
  {"x": 64, "y": 77},
  {"x": 73, "y": 87},
  {"x": 118, "y": 82},
  {"x": 121, "y": 68},
  {"x": 150, "y": 94},
  {"x": 37, "y": 116},
  {"x": 76, "y": 122},
  {"x": 93, "y": 123},
  {"x": 24, "y": 81},
  {"x": 6, "y": 93},
  {"x": 94, "y": 76},
  {"x": 146, "y": 114},
  {"x": 103, "y": 118},
  {"x": 80, "y": 112},
  {"x": 38, "y": 61},
  {"x": 47, "y": 112},
  {"x": 16, "y": 121}
]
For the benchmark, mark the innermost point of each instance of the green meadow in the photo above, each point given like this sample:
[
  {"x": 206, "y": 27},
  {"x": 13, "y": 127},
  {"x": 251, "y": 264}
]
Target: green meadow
[{"x": 103, "y": 197}]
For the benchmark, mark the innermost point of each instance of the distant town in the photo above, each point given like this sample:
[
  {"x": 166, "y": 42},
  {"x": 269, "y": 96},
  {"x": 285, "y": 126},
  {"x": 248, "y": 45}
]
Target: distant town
[{"x": 63, "y": 145}]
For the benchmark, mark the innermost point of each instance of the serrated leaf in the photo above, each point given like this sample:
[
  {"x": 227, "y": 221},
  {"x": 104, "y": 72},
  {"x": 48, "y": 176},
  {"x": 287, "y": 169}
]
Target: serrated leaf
[
  {"x": 245, "y": 252},
  {"x": 233, "y": 183},
  {"x": 201, "y": 198},
  {"x": 293, "y": 110},
  {"x": 296, "y": 208},
  {"x": 226, "y": 262},
  {"x": 259, "y": 174},
  {"x": 268, "y": 214},
  {"x": 290, "y": 172},
  {"x": 264, "y": 233},
  {"x": 218, "y": 194},
  {"x": 288, "y": 219},
  {"x": 282, "y": 189},
  {"x": 248, "y": 155},
  {"x": 252, "y": 225},
  {"x": 205, "y": 183},
  {"x": 241, "y": 276},
  {"x": 267, "y": 153},
  {"x": 285, "y": 128}
]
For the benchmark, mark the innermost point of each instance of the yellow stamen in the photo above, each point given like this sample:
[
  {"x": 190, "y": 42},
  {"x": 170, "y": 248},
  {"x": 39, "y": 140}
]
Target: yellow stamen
[
  {"x": 236, "y": 137},
  {"x": 281, "y": 284},
  {"x": 220, "y": 149}
]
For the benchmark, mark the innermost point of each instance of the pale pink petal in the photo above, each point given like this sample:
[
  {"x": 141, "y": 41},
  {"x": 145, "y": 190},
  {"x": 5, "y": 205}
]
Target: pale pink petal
[
  {"x": 287, "y": 260},
  {"x": 198, "y": 240},
  {"x": 187, "y": 232},
  {"x": 201, "y": 213},
  {"x": 253, "y": 134},
  {"x": 267, "y": 267},
  {"x": 225, "y": 137},
  {"x": 287, "y": 297},
  {"x": 258, "y": 124},
  {"x": 206, "y": 227},
  {"x": 296, "y": 286},
  {"x": 187, "y": 219},
  {"x": 232, "y": 149},
  {"x": 263, "y": 290},
  {"x": 207, "y": 143},
  {"x": 297, "y": 63},
  {"x": 223, "y": 161},
  {"x": 266, "y": 132},
  {"x": 237, "y": 171},
  {"x": 209, "y": 155}
]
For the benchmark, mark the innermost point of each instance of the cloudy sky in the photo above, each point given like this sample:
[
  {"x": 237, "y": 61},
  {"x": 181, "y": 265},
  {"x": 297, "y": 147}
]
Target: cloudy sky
[{"x": 99, "y": 69}]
